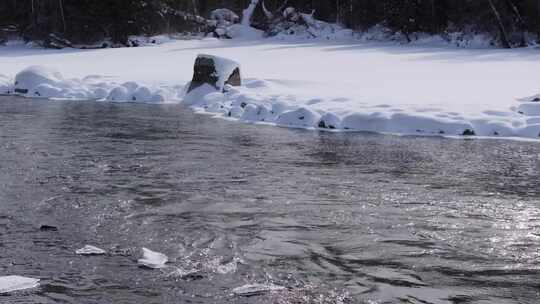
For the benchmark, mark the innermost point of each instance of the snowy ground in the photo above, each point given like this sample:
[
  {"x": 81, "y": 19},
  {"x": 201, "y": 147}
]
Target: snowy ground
[{"x": 352, "y": 86}]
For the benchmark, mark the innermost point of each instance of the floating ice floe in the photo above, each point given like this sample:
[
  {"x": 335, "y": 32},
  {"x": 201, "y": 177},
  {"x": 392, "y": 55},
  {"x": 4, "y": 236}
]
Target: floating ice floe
[
  {"x": 90, "y": 250},
  {"x": 14, "y": 283},
  {"x": 152, "y": 259},
  {"x": 256, "y": 289}
]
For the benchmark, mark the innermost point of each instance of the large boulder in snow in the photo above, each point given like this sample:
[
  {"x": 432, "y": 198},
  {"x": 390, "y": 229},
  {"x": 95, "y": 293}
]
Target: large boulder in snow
[{"x": 215, "y": 71}]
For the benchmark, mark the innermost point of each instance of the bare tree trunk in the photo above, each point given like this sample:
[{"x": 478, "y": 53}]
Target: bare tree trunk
[
  {"x": 267, "y": 12},
  {"x": 33, "y": 15},
  {"x": 520, "y": 21},
  {"x": 434, "y": 22},
  {"x": 61, "y": 4},
  {"x": 504, "y": 36},
  {"x": 338, "y": 15},
  {"x": 538, "y": 19},
  {"x": 195, "y": 9}
]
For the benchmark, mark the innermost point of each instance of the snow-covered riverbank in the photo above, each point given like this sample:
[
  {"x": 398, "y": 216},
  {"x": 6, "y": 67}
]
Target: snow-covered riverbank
[{"x": 347, "y": 86}]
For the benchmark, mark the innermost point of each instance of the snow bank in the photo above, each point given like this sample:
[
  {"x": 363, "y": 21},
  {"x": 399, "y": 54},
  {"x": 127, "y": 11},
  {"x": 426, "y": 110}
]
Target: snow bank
[
  {"x": 15, "y": 283},
  {"x": 6, "y": 85},
  {"x": 240, "y": 31},
  {"x": 324, "y": 86},
  {"x": 258, "y": 102},
  {"x": 45, "y": 82},
  {"x": 224, "y": 15}
]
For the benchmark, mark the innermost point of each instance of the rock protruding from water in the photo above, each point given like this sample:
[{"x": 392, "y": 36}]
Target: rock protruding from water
[
  {"x": 215, "y": 71},
  {"x": 15, "y": 283}
]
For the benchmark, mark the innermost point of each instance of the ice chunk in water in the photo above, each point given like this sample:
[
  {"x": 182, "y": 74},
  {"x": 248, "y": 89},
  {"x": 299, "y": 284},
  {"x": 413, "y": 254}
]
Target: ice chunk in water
[
  {"x": 14, "y": 283},
  {"x": 90, "y": 250},
  {"x": 152, "y": 259},
  {"x": 256, "y": 289}
]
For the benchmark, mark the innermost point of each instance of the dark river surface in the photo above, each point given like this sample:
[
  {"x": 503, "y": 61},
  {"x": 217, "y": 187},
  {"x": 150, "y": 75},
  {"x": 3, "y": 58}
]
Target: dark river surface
[{"x": 333, "y": 217}]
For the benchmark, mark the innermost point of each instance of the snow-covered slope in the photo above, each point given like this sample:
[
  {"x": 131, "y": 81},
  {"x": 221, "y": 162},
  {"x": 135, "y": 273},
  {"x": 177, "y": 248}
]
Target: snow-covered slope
[{"x": 345, "y": 85}]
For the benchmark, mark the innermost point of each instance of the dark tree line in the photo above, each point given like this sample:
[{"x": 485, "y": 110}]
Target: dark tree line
[{"x": 88, "y": 21}]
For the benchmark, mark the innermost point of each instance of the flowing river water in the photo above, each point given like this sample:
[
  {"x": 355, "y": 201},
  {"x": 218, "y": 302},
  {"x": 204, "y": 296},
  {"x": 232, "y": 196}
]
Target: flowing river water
[{"x": 332, "y": 217}]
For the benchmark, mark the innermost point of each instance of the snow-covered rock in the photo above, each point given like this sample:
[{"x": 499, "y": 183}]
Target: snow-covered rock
[
  {"x": 199, "y": 96},
  {"x": 406, "y": 123},
  {"x": 45, "y": 90},
  {"x": 329, "y": 121},
  {"x": 239, "y": 31},
  {"x": 6, "y": 85},
  {"x": 119, "y": 93},
  {"x": 215, "y": 71},
  {"x": 152, "y": 259},
  {"x": 529, "y": 108},
  {"x": 14, "y": 283},
  {"x": 236, "y": 112},
  {"x": 224, "y": 15},
  {"x": 256, "y": 289},
  {"x": 43, "y": 82},
  {"x": 372, "y": 122},
  {"x": 90, "y": 250},
  {"x": 301, "y": 117},
  {"x": 257, "y": 113},
  {"x": 141, "y": 93},
  {"x": 30, "y": 78}
]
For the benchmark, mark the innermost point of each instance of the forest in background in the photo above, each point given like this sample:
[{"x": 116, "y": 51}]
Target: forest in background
[{"x": 511, "y": 22}]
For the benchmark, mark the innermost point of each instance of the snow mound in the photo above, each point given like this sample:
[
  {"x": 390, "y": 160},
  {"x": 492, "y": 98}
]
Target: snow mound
[
  {"x": 301, "y": 117},
  {"x": 90, "y": 250},
  {"x": 44, "y": 82},
  {"x": 329, "y": 121},
  {"x": 152, "y": 259},
  {"x": 201, "y": 96},
  {"x": 14, "y": 283},
  {"x": 298, "y": 26},
  {"x": 529, "y": 108},
  {"x": 259, "y": 101},
  {"x": 224, "y": 15},
  {"x": 244, "y": 32},
  {"x": 6, "y": 85},
  {"x": 256, "y": 289},
  {"x": 32, "y": 77},
  {"x": 404, "y": 123}
]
